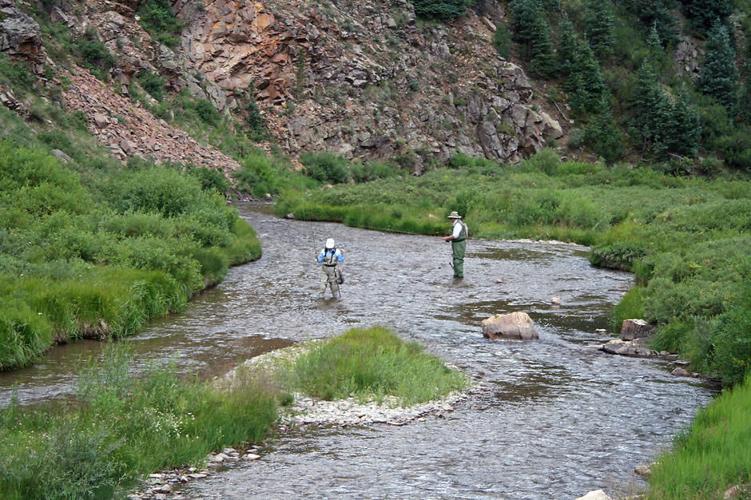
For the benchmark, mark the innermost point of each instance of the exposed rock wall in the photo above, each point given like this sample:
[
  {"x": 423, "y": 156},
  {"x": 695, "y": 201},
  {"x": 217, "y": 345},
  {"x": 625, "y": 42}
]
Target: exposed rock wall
[{"x": 364, "y": 79}]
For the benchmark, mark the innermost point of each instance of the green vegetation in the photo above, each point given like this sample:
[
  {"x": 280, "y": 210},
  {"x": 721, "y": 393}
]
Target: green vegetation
[
  {"x": 89, "y": 249},
  {"x": 122, "y": 427},
  {"x": 158, "y": 19},
  {"x": 713, "y": 455},
  {"x": 371, "y": 364},
  {"x": 441, "y": 9},
  {"x": 686, "y": 239}
]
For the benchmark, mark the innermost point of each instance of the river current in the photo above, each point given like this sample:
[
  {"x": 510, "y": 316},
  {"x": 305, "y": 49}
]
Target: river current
[{"x": 561, "y": 418}]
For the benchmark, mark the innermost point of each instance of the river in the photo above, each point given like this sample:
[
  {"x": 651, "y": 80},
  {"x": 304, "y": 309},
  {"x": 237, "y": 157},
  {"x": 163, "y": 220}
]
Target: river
[{"x": 561, "y": 418}]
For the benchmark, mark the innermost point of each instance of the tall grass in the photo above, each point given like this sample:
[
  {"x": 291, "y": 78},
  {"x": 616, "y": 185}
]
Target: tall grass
[
  {"x": 90, "y": 249},
  {"x": 713, "y": 455},
  {"x": 371, "y": 364},
  {"x": 122, "y": 427}
]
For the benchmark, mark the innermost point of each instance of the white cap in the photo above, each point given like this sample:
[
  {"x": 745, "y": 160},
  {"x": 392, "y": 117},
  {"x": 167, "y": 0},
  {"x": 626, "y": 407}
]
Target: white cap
[{"x": 330, "y": 243}]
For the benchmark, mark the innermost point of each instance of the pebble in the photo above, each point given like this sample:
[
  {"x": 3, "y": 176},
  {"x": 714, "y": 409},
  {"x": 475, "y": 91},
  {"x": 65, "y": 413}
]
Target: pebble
[{"x": 251, "y": 456}]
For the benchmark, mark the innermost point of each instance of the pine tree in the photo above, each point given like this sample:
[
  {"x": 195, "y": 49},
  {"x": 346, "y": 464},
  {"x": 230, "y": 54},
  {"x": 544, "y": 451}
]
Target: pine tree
[
  {"x": 441, "y": 9},
  {"x": 655, "y": 13},
  {"x": 686, "y": 129},
  {"x": 653, "y": 112},
  {"x": 523, "y": 15},
  {"x": 542, "y": 61},
  {"x": 603, "y": 136},
  {"x": 532, "y": 31},
  {"x": 599, "y": 19},
  {"x": 704, "y": 13},
  {"x": 585, "y": 82},
  {"x": 719, "y": 75},
  {"x": 567, "y": 47}
]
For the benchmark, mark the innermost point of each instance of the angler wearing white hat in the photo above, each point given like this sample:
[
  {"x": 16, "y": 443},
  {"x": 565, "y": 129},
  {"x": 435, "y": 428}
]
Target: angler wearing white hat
[
  {"x": 329, "y": 258},
  {"x": 458, "y": 239}
]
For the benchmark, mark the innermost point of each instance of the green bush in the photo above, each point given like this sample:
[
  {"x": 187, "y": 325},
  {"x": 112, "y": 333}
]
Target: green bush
[
  {"x": 153, "y": 83},
  {"x": 157, "y": 18},
  {"x": 96, "y": 57},
  {"x": 631, "y": 306},
  {"x": 502, "y": 40},
  {"x": 326, "y": 167}
]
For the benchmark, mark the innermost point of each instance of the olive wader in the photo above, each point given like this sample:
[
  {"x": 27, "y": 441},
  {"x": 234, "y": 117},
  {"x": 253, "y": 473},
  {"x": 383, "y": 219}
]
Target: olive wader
[
  {"x": 330, "y": 276},
  {"x": 458, "y": 247}
]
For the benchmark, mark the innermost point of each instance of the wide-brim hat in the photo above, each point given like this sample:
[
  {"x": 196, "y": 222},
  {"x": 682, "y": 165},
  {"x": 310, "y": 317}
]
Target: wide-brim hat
[{"x": 454, "y": 215}]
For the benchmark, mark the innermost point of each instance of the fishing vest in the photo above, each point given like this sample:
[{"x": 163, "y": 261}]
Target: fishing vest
[
  {"x": 463, "y": 233},
  {"x": 329, "y": 257}
]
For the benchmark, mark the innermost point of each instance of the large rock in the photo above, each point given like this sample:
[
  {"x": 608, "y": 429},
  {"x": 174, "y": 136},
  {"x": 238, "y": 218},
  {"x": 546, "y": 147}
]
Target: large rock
[
  {"x": 635, "y": 329},
  {"x": 595, "y": 495},
  {"x": 517, "y": 325},
  {"x": 20, "y": 35}
]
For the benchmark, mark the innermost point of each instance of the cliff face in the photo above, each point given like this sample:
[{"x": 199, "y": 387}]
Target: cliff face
[{"x": 363, "y": 78}]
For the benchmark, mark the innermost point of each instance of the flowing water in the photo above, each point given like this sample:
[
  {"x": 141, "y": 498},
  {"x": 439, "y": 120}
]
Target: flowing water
[{"x": 561, "y": 418}]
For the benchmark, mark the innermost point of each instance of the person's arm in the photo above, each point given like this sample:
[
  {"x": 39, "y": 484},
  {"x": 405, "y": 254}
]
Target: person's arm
[
  {"x": 340, "y": 257},
  {"x": 320, "y": 257}
]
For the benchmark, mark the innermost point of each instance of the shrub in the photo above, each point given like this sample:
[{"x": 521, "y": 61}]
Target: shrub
[
  {"x": 502, "y": 40},
  {"x": 617, "y": 256},
  {"x": 631, "y": 306},
  {"x": 152, "y": 83},
  {"x": 441, "y": 9},
  {"x": 326, "y": 167},
  {"x": 95, "y": 55},
  {"x": 23, "y": 334},
  {"x": 157, "y": 18}
]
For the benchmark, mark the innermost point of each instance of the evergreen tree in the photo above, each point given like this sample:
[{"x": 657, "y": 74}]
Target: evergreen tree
[
  {"x": 656, "y": 52},
  {"x": 603, "y": 136},
  {"x": 441, "y": 9},
  {"x": 653, "y": 113},
  {"x": 567, "y": 47},
  {"x": 704, "y": 13},
  {"x": 599, "y": 19},
  {"x": 686, "y": 129},
  {"x": 719, "y": 74},
  {"x": 532, "y": 31},
  {"x": 655, "y": 13},
  {"x": 523, "y": 15},
  {"x": 542, "y": 60},
  {"x": 585, "y": 82}
]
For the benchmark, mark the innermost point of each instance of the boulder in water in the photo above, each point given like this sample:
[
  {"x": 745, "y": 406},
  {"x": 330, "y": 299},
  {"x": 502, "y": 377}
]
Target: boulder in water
[
  {"x": 635, "y": 329},
  {"x": 517, "y": 325},
  {"x": 595, "y": 495}
]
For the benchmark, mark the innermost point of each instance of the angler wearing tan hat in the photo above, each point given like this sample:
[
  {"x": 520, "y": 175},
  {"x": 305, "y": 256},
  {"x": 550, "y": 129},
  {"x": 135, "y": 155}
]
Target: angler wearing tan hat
[{"x": 458, "y": 239}]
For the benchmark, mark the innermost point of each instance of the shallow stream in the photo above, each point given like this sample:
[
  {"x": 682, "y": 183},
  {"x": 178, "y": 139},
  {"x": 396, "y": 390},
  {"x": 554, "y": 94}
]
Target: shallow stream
[{"x": 561, "y": 418}]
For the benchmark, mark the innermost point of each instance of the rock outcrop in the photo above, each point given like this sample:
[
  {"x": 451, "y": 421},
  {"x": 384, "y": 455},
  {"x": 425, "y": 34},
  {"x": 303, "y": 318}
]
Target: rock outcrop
[
  {"x": 362, "y": 78},
  {"x": 517, "y": 325},
  {"x": 20, "y": 35}
]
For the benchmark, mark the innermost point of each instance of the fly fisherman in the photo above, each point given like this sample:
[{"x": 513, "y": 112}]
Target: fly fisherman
[
  {"x": 329, "y": 258},
  {"x": 458, "y": 239}
]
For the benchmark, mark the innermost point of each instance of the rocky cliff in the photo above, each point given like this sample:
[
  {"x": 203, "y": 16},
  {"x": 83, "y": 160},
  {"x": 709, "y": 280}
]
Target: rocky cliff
[{"x": 361, "y": 78}]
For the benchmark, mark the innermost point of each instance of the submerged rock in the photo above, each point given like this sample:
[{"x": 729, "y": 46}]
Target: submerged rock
[
  {"x": 517, "y": 325},
  {"x": 635, "y": 348}
]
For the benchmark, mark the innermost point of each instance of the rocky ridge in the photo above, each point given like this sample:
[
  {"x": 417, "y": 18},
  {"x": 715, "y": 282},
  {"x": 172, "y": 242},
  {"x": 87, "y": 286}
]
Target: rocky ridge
[
  {"x": 365, "y": 78},
  {"x": 362, "y": 78}
]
